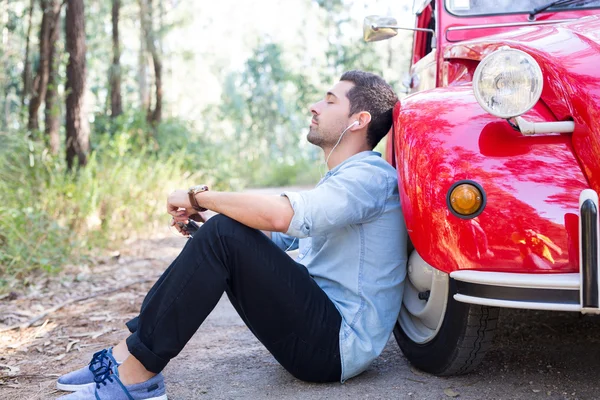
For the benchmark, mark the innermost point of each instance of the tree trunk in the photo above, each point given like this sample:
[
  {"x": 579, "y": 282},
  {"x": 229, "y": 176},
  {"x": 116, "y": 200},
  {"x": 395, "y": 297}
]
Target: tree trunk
[
  {"x": 4, "y": 65},
  {"x": 77, "y": 126},
  {"x": 157, "y": 113},
  {"x": 41, "y": 80},
  {"x": 52, "y": 109},
  {"x": 116, "y": 107},
  {"x": 143, "y": 61},
  {"x": 153, "y": 116},
  {"x": 27, "y": 66}
]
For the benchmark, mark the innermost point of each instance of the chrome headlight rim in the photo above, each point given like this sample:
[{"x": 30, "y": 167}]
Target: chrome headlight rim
[{"x": 492, "y": 57}]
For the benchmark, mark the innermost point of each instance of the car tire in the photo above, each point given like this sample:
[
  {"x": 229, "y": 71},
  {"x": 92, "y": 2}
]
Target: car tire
[{"x": 461, "y": 339}]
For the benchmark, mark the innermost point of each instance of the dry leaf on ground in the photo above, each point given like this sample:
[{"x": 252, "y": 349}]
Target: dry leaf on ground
[{"x": 12, "y": 369}]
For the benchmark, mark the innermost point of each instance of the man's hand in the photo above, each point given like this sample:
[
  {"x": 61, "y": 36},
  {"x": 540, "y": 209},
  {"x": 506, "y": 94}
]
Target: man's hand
[{"x": 178, "y": 205}]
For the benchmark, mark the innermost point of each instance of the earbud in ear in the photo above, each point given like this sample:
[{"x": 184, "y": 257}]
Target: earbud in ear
[{"x": 355, "y": 123}]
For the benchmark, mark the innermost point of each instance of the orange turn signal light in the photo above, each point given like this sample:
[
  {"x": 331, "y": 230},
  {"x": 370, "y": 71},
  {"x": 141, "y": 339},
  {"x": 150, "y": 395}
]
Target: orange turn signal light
[{"x": 466, "y": 199}]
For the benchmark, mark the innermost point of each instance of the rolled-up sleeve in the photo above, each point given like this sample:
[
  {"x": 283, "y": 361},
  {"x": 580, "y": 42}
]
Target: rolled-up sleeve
[{"x": 355, "y": 194}]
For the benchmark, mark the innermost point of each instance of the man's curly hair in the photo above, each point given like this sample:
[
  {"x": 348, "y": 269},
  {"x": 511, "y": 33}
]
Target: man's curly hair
[{"x": 372, "y": 94}]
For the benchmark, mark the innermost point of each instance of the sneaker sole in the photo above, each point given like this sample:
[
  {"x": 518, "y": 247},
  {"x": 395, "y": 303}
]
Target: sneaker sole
[
  {"x": 72, "y": 388},
  {"x": 75, "y": 388}
]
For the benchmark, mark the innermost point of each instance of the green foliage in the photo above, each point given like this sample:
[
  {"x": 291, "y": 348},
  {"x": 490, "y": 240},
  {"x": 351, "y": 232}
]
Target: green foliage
[
  {"x": 276, "y": 173},
  {"x": 331, "y": 5},
  {"x": 265, "y": 107},
  {"x": 49, "y": 216},
  {"x": 262, "y": 104}
]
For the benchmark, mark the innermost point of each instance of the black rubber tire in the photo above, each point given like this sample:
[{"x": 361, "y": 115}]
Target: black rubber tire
[{"x": 461, "y": 343}]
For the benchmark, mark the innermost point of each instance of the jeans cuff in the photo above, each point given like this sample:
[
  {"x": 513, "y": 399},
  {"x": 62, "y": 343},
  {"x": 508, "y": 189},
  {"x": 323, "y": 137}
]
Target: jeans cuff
[
  {"x": 144, "y": 355},
  {"x": 132, "y": 324}
]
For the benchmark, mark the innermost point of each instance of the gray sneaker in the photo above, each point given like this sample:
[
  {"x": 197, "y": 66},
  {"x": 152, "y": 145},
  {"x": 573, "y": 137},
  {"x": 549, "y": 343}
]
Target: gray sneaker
[
  {"x": 102, "y": 362},
  {"x": 108, "y": 386}
]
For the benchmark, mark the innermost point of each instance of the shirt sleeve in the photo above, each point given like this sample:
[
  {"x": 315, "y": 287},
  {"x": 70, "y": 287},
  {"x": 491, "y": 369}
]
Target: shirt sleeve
[
  {"x": 356, "y": 194},
  {"x": 284, "y": 242}
]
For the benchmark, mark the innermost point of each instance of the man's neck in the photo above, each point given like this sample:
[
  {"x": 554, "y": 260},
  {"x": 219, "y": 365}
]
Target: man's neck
[{"x": 342, "y": 154}]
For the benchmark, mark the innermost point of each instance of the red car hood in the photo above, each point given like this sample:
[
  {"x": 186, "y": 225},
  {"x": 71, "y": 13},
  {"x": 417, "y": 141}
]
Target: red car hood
[{"x": 569, "y": 55}]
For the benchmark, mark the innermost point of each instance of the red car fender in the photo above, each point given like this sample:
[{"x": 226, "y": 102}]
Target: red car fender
[
  {"x": 531, "y": 185},
  {"x": 569, "y": 55}
]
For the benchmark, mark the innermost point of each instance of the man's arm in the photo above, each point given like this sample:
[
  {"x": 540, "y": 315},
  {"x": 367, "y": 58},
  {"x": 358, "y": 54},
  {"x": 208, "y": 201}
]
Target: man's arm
[
  {"x": 259, "y": 211},
  {"x": 264, "y": 212}
]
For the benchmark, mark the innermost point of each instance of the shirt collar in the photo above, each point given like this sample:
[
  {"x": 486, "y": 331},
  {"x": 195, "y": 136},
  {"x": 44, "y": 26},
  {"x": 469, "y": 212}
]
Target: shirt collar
[{"x": 356, "y": 157}]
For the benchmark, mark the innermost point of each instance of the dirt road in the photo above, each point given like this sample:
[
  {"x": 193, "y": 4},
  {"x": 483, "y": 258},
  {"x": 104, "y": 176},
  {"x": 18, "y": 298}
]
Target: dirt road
[{"x": 537, "y": 355}]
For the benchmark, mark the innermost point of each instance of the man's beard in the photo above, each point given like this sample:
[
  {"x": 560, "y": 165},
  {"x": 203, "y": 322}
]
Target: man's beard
[{"x": 314, "y": 137}]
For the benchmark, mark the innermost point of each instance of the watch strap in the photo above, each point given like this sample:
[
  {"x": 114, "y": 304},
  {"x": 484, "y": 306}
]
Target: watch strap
[{"x": 193, "y": 201}]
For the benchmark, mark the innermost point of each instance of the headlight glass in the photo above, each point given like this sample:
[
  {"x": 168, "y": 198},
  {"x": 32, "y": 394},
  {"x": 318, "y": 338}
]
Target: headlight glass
[{"x": 507, "y": 83}]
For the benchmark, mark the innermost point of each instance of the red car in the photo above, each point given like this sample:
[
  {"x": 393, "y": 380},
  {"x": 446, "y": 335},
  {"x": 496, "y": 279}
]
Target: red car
[{"x": 498, "y": 159}]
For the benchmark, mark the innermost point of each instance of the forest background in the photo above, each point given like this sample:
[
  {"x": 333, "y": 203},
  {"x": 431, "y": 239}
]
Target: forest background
[{"x": 108, "y": 105}]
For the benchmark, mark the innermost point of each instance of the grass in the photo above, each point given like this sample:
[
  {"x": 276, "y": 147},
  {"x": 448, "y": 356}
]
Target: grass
[{"x": 50, "y": 216}]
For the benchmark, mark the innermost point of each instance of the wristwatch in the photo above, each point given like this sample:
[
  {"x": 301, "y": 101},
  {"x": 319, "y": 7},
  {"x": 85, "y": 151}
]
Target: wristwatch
[{"x": 192, "y": 192}]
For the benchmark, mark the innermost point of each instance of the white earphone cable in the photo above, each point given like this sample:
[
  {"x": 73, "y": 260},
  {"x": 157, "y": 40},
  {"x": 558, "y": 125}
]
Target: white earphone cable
[
  {"x": 338, "y": 142},
  {"x": 290, "y": 246}
]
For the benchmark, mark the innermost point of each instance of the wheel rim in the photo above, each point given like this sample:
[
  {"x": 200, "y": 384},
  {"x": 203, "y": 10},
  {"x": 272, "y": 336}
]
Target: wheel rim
[{"x": 421, "y": 319}]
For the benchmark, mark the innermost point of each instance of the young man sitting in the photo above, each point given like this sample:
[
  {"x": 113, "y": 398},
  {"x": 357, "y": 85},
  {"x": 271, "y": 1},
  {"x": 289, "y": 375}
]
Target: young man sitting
[{"x": 325, "y": 316}]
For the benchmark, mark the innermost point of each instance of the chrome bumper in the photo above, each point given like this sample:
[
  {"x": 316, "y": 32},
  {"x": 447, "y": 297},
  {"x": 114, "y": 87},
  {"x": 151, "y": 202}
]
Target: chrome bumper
[
  {"x": 588, "y": 251},
  {"x": 560, "y": 292}
]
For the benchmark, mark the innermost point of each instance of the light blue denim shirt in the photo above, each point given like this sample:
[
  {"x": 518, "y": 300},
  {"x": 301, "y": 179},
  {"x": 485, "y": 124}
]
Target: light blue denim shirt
[{"x": 352, "y": 240}]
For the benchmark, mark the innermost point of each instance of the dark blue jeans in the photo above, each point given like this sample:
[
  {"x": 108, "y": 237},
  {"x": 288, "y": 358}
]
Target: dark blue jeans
[{"x": 275, "y": 296}]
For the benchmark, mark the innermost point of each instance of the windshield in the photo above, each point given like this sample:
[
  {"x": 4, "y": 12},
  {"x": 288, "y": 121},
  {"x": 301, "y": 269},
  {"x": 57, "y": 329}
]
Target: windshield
[{"x": 486, "y": 7}]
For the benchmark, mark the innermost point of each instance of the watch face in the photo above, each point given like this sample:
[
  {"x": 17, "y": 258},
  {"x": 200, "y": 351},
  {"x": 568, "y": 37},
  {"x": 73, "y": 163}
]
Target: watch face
[{"x": 198, "y": 188}]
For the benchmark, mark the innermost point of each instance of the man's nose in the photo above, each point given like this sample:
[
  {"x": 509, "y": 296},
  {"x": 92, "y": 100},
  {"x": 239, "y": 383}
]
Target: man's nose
[{"x": 315, "y": 108}]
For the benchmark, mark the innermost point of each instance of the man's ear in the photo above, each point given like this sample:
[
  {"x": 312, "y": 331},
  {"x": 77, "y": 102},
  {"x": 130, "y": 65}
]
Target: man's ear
[{"x": 363, "y": 118}]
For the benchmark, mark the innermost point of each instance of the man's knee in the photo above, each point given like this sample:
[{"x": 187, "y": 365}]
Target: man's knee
[{"x": 219, "y": 225}]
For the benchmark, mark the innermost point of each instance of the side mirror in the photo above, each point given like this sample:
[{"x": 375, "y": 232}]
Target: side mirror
[{"x": 376, "y": 28}]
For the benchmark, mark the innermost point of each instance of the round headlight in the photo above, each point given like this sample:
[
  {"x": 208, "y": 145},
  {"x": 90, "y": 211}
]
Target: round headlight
[{"x": 507, "y": 83}]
